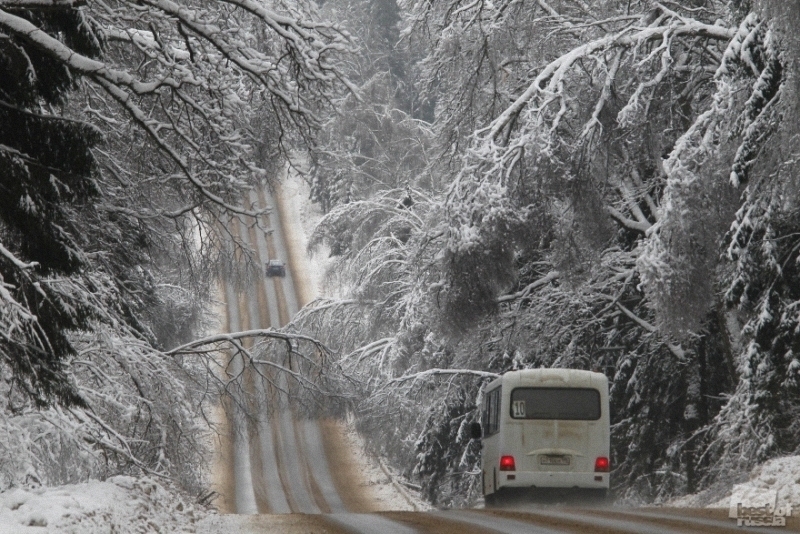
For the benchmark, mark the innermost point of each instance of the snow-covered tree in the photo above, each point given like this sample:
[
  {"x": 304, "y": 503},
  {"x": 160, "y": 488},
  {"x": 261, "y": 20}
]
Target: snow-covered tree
[
  {"x": 593, "y": 163},
  {"x": 130, "y": 133},
  {"x": 760, "y": 250},
  {"x": 46, "y": 167},
  {"x": 376, "y": 139}
]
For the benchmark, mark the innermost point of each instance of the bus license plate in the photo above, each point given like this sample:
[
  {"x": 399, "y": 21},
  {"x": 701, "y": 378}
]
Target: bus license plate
[{"x": 554, "y": 460}]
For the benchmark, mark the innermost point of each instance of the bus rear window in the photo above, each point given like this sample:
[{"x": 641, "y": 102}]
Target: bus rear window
[{"x": 572, "y": 404}]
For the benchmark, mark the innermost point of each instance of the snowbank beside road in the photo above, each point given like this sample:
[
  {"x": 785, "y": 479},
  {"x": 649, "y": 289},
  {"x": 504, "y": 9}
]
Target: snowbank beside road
[
  {"x": 781, "y": 475},
  {"x": 299, "y": 217},
  {"x": 384, "y": 487},
  {"x": 121, "y": 504}
]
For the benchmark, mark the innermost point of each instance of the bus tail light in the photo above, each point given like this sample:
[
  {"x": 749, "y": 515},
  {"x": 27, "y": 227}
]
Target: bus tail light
[
  {"x": 602, "y": 465},
  {"x": 507, "y": 463}
]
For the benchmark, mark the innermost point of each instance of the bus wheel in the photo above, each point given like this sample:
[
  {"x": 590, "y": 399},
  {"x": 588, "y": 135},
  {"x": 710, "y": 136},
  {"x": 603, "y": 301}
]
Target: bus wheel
[{"x": 490, "y": 501}]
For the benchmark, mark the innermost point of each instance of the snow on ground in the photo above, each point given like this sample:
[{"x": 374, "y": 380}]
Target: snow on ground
[
  {"x": 294, "y": 195},
  {"x": 384, "y": 487},
  {"x": 780, "y": 475},
  {"x": 121, "y": 504}
]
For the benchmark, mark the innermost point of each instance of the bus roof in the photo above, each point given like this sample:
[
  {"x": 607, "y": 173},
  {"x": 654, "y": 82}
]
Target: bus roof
[{"x": 549, "y": 377}]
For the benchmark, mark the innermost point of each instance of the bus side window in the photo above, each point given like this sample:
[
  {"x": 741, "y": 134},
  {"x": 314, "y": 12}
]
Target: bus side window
[
  {"x": 491, "y": 414},
  {"x": 485, "y": 416}
]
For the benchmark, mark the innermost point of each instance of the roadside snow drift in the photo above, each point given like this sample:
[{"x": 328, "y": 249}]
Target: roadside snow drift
[
  {"x": 121, "y": 504},
  {"x": 781, "y": 475}
]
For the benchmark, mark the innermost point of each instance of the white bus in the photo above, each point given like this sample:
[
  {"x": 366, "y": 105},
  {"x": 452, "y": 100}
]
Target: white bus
[{"x": 544, "y": 429}]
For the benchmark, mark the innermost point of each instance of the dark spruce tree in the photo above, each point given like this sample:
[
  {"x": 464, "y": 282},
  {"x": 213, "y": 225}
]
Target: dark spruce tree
[{"x": 46, "y": 169}]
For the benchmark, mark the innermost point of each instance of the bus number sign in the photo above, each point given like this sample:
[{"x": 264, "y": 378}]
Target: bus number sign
[{"x": 518, "y": 409}]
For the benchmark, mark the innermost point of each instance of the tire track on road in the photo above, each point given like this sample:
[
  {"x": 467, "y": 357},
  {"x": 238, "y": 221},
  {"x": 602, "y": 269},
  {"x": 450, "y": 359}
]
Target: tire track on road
[
  {"x": 278, "y": 248},
  {"x": 272, "y": 497},
  {"x": 244, "y": 496},
  {"x": 300, "y": 484},
  {"x": 246, "y": 313},
  {"x": 307, "y": 432},
  {"x": 223, "y": 468},
  {"x": 293, "y": 255},
  {"x": 329, "y": 463},
  {"x": 310, "y": 477},
  {"x": 272, "y": 449},
  {"x": 323, "y": 474},
  {"x": 343, "y": 465}
]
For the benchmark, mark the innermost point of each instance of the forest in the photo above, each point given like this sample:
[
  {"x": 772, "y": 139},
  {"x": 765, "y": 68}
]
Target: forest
[{"x": 506, "y": 184}]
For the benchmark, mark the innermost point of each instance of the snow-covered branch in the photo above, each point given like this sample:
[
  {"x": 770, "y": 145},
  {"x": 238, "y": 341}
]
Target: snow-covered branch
[
  {"x": 546, "y": 279},
  {"x": 41, "y": 4},
  {"x": 547, "y": 89},
  {"x": 206, "y": 64},
  {"x": 639, "y": 226},
  {"x": 431, "y": 373},
  {"x": 675, "y": 349},
  {"x": 191, "y": 347}
]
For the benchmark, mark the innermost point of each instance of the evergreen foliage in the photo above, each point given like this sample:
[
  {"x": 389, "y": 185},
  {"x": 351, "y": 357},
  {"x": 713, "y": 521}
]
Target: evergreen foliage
[{"x": 47, "y": 168}]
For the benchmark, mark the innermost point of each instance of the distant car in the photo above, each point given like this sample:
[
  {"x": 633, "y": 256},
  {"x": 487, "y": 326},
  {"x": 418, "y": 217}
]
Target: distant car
[{"x": 276, "y": 268}]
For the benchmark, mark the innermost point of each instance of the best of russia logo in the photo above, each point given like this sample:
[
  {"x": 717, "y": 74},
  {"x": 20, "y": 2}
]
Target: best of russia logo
[{"x": 751, "y": 514}]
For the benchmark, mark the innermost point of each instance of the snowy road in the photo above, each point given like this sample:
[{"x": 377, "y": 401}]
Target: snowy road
[
  {"x": 548, "y": 520},
  {"x": 278, "y": 462}
]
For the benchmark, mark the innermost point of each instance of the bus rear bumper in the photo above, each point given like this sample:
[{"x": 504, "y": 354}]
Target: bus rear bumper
[{"x": 533, "y": 479}]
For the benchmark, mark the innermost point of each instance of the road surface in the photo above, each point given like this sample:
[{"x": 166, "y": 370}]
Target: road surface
[
  {"x": 277, "y": 463},
  {"x": 544, "y": 520}
]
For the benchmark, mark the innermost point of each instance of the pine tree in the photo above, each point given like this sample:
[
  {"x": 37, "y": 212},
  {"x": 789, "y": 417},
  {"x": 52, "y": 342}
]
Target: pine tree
[{"x": 46, "y": 167}]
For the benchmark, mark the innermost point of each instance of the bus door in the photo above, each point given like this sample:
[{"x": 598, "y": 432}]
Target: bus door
[{"x": 491, "y": 439}]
